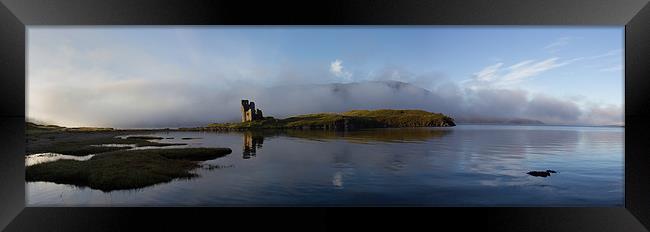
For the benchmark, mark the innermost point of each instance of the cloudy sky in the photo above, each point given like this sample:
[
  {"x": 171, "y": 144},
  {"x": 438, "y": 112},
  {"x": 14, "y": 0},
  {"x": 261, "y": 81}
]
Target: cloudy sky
[{"x": 188, "y": 76}]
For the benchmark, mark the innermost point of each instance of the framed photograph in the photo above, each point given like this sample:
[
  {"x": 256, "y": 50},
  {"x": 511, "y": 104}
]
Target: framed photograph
[{"x": 511, "y": 115}]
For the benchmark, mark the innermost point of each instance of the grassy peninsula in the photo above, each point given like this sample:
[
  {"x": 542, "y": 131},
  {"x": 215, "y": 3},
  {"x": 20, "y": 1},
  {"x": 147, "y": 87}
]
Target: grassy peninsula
[
  {"x": 126, "y": 169},
  {"x": 114, "y": 167},
  {"x": 355, "y": 119}
]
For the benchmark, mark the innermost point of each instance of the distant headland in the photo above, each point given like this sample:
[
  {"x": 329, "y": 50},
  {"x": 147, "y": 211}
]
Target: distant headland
[{"x": 355, "y": 119}]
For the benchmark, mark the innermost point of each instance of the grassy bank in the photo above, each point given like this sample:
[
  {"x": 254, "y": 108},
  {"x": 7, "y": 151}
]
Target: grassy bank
[
  {"x": 126, "y": 169},
  {"x": 34, "y": 129},
  {"x": 355, "y": 119}
]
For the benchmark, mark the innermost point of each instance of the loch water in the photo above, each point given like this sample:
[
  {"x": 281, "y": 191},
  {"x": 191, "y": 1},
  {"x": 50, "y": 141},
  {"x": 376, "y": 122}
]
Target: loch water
[{"x": 465, "y": 165}]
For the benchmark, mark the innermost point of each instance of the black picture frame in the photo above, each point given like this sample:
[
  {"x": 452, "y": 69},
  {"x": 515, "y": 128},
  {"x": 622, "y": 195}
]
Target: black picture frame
[{"x": 15, "y": 15}]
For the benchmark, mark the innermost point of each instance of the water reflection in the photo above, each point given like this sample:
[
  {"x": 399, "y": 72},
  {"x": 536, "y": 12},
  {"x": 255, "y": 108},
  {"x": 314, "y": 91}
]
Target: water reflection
[
  {"x": 389, "y": 135},
  {"x": 337, "y": 180},
  {"x": 464, "y": 165},
  {"x": 50, "y": 157},
  {"x": 252, "y": 142}
]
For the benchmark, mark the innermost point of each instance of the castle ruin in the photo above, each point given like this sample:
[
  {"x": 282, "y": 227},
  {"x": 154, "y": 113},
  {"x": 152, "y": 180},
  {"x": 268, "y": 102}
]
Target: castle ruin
[{"x": 249, "y": 113}]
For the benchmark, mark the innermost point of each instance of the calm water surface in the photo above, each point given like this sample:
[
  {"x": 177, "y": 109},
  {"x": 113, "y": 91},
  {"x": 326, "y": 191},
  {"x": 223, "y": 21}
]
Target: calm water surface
[{"x": 467, "y": 165}]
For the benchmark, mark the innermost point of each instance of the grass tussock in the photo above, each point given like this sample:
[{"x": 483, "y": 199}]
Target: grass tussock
[{"x": 125, "y": 169}]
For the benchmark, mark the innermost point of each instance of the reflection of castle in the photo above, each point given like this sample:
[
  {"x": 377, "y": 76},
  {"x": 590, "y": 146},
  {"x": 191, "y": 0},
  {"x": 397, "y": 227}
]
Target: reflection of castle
[
  {"x": 248, "y": 111},
  {"x": 251, "y": 143}
]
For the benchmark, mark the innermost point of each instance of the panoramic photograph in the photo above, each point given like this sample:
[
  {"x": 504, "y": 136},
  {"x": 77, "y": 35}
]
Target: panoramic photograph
[{"x": 324, "y": 116}]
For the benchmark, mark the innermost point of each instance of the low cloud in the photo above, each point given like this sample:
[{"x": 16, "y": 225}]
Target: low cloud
[
  {"x": 172, "y": 104},
  {"x": 552, "y": 110},
  {"x": 604, "y": 115}
]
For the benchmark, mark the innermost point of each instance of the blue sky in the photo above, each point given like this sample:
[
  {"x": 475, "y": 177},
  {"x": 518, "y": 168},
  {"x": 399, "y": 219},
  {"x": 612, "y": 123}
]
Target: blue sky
[{"x": 582, "y": 65}]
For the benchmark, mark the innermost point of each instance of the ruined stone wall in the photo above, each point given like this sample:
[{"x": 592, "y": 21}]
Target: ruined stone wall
[
  {"x": 244, "y": 109},
  {"x": 248, "y": 111},
  {"x": 258, "y": 114},
  {"x": 248, "y": 116}
]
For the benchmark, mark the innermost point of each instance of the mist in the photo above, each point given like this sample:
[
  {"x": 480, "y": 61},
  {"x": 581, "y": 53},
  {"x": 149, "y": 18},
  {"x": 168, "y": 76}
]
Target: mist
[{"x": 139, "y": 104}]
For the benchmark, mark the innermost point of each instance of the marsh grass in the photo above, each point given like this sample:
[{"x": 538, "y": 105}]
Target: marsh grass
[
  {"x": 126, "y": 169},
  {"x": 84, "y": 147},
  {"x": 83, "y": 141}
]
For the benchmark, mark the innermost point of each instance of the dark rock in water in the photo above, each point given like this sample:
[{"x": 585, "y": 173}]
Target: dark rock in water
[{"x": 541, "y": 173}]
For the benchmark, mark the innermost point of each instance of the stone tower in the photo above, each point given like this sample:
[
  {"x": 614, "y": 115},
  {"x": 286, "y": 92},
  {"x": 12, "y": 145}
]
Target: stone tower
[{"x": 248, "y": 111}]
